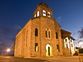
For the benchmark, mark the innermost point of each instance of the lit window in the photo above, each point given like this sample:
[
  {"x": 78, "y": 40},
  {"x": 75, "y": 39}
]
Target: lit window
[
  {"x": 49, "y": 14},
  {"x": 37, "y": 13},
  {"x": 56, "y": 35},
  {"x": 36, "y": 32},
  {"x": 36, "y": 47},
  {"x": 44, "y": 13}
]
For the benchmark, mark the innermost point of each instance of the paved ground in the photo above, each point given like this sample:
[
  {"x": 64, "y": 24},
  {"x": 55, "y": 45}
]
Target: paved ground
[
  {"x": 65, "y": 59},
  {"x": 14, "y": 59},
  {"x": 58, "y": 59}
]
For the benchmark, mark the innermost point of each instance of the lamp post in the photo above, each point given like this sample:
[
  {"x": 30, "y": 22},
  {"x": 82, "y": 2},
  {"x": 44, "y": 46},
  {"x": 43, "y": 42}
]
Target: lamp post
[{"x": 8, "y": 50}]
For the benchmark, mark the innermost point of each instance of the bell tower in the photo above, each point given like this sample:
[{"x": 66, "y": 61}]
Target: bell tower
[{"x": 42, "y": 10}]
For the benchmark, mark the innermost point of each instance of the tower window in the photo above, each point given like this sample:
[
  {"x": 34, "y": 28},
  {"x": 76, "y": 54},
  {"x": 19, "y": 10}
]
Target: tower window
[
  {"x": 49, "y": 14},
  {"x": 44, "y": 13},
  {"x": 36, "y": 47},
  {"x": 36, "y": 32},
  {"x": 37, "y": 13},
  {"x": 56, "y": 35},
  {"x": 34, "y": 15}
]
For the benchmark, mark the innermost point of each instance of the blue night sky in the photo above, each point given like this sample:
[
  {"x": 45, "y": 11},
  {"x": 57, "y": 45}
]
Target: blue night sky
[{"x": 15, "y": 13}]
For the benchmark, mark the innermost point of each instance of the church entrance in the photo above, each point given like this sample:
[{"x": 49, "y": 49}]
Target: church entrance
[{"x": 48, "y": 50}]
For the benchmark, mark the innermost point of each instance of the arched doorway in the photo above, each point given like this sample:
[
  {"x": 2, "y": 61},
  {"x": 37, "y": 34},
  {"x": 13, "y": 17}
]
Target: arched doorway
[{"x": 48, "y": 50}]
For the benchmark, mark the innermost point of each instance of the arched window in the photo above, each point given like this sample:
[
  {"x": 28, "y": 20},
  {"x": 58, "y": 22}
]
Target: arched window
[
  {"x": 48, "y": 50},
  {"x": 37, "y": 13},
  {"x": 65, "y": 40},
  {"x": 34, "y": 15},
  {"x": 49, "y": 14},
  {"x": 49, "y": 34},
  {"x": 36, "y": 47},
  {"x": 44, "y": 13},
  {"x": 56, "y": 35},
  {"x": 58, "y": 48},
  {"x": 36, "y": 32},
  {"x": 46, "y": 33}
]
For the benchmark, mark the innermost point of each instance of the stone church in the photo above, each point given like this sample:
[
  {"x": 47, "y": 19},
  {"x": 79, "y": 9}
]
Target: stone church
[{"x": 42, "y": 36}]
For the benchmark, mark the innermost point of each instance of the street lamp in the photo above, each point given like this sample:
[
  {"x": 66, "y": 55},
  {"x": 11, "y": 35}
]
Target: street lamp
[{"x": 8, "y": 50}]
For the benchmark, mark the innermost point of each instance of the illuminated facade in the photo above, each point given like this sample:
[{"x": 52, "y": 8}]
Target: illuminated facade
[
  {"x": 41, "y": 36},
  {"x": 68, "y": 43}
]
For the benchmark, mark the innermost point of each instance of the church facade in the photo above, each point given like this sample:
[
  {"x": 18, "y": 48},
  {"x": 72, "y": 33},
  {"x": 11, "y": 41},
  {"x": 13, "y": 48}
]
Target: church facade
[{"x": 41, "y": 36}]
